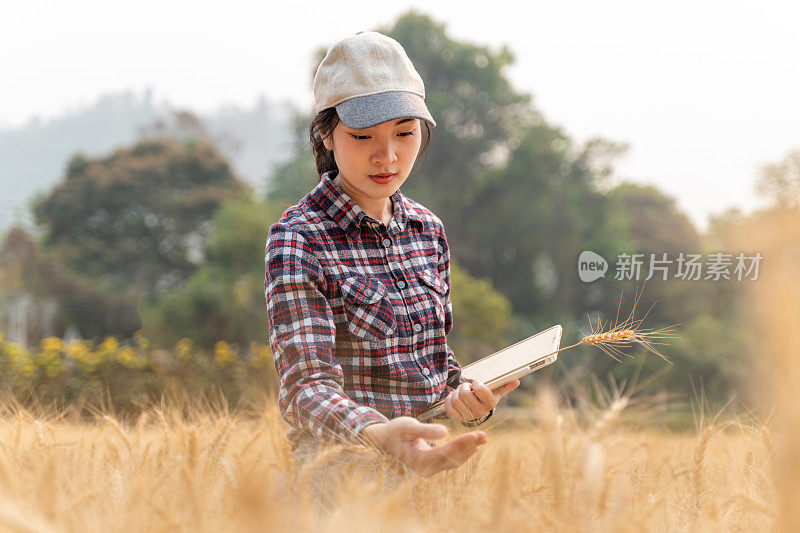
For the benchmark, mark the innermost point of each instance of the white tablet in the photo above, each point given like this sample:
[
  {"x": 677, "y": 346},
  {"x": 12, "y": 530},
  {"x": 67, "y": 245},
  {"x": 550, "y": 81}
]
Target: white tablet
[
  {"x": 508, "y": 364},
  {"x": 517, "y": 360}
]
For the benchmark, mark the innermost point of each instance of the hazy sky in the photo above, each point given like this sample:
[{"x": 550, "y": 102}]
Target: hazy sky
[{"x": 704, "y": 92}]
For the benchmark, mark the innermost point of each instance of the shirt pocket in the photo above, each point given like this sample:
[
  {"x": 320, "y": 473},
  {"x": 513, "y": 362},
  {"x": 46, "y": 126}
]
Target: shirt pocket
[
  {"x": 437, "y": 292},
  {"x": 368, "y": 309}
]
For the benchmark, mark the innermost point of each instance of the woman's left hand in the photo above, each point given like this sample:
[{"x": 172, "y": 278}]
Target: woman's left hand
[{"x": 471, "y": 401}]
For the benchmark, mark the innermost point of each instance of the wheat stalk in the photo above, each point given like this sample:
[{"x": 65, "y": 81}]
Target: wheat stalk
[{"x": 625, "y": 334}]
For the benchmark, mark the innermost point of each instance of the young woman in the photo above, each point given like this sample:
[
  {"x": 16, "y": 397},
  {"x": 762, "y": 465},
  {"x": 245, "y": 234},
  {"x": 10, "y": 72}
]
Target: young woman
[{"x": 358, "y": 275}]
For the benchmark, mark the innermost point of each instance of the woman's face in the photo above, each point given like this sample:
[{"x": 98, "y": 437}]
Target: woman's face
[{"x": 377, "y": 160}]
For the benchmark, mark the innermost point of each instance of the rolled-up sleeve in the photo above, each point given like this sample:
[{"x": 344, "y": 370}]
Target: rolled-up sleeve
[{"x": 302, "y": 334}]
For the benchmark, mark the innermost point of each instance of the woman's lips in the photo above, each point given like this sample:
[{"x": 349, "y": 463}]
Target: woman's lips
[{"x": 381, "y": 178}]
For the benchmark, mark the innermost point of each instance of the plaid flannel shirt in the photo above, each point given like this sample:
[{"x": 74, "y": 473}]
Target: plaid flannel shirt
[{"x": 358, "y": 313}]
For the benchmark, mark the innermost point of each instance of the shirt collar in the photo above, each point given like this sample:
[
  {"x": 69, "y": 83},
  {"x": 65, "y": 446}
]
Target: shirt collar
[{"x": 348, "y": 215}]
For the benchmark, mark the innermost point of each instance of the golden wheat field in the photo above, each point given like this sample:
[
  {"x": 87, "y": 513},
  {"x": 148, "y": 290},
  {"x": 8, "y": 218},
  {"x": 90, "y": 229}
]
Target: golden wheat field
[
  {"x": 211, "y": 470},
  {"x": 198, "y": 466}
]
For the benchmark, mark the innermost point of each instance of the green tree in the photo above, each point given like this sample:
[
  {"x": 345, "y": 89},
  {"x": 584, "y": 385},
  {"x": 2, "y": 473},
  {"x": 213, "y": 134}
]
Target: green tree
[
  {"x": 292, "y": 179},
  {"x": 534, "y": 217},
  {"x": 137, "y": 219},
  {"x": 656, "y": 222},
  {"x": 224, "y": 299},
  {"x": 26, "y": 270},
  {"x": 482, "y": 319},
  {"x": 656, "y": 226}
]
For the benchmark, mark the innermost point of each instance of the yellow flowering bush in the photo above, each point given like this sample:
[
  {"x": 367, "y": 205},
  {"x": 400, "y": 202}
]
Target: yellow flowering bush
[
  {"x": 262, "y": 356},
  {"x": 184, "y": 349},
  {"x": 128, "y": 357},
  {"x": 128, "y": 373},
  {"x": 52, "y": 344},
  {"x": 50, "y": 357},
  {"x": 17, "y": 364}
]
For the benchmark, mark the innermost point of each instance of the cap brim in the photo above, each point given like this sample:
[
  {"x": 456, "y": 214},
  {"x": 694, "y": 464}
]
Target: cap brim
[{"x": 363, "y": 112}]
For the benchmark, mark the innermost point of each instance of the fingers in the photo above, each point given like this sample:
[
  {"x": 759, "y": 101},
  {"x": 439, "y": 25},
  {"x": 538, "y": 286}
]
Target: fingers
[
  {"x": 449, "y": 408},
  {"x": 511, "y": 385},
  {"x": 403, "y": 433},
  {"x": 478, "y": 398},
  {"x": 472, "y": 400},
  {"x": 414, "y": 429},
  {"x": 449, "y": 456},
  {"x": 483, "y": 393},
  {"x": 465, "y": 403},
  {"x": 407, "y": 436}
]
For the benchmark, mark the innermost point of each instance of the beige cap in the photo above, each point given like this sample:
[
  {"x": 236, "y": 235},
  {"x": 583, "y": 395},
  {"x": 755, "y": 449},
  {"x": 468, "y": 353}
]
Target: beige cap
[{"x": 369, "y": 79}]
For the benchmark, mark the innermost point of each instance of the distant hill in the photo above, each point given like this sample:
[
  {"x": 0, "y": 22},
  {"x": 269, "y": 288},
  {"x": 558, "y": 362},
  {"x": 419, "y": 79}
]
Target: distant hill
[{"x": 33, "y": 157}]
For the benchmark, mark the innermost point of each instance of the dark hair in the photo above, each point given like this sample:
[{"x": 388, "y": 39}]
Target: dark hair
[{"x": 325, "y": 121}]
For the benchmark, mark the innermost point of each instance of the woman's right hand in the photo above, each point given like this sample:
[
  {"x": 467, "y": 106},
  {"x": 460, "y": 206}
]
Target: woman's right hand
[{"x": 405, "y": 438}]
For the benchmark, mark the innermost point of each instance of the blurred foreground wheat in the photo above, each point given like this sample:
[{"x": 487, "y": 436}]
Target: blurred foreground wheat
[{"x": 775, "y": 312}]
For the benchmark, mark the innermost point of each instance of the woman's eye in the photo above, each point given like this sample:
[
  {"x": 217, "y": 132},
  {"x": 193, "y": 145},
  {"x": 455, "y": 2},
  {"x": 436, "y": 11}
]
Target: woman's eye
[{"x": 362, "y": 137}]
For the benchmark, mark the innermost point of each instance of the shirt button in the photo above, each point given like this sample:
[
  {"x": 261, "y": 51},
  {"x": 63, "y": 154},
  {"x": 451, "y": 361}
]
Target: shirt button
[
  {"x": 417, "y": 328},
  {"x": 401, "y": 284},
  {"x": 282, "y": 328},
  {"x": 387, "y": 242},
  {"x": 426, "y": 371}
]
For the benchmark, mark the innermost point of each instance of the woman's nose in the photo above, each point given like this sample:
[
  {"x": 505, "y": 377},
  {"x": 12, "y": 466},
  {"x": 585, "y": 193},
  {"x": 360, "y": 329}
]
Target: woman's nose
[{"x": 384, "y": 153}]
